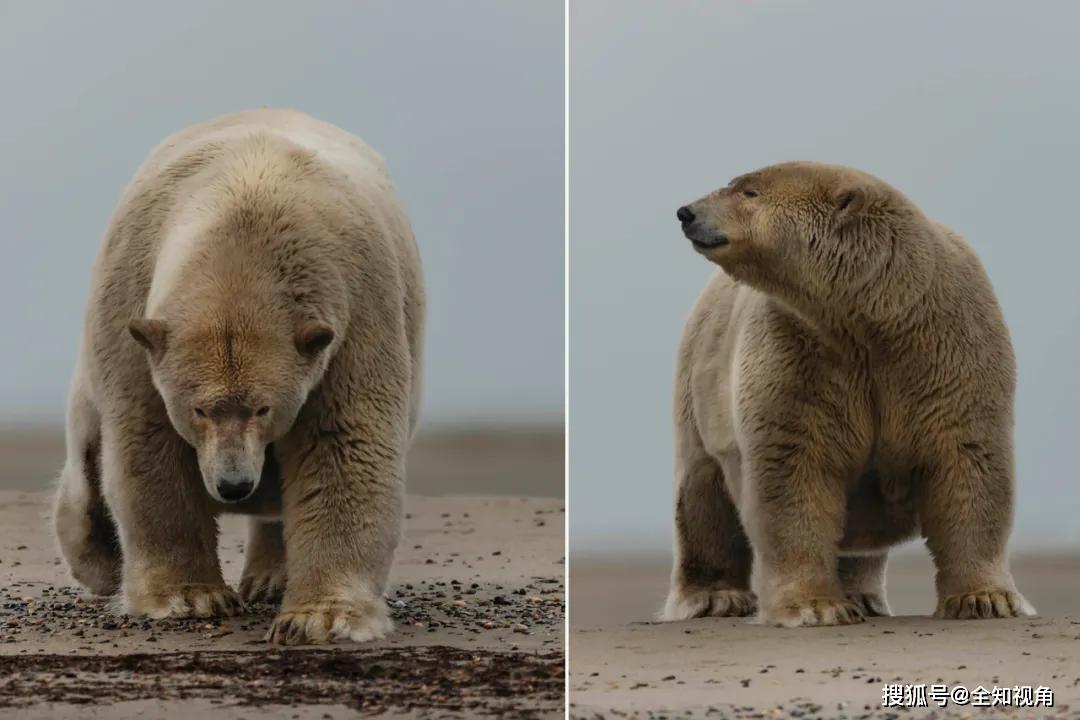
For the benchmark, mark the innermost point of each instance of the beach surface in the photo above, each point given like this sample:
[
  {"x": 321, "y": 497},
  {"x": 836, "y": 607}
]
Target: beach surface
[
  {"x": 477, "y": 596},
  {"x": 624, "y": 665}
]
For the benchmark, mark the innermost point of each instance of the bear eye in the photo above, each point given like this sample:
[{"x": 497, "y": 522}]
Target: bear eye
[
  {"x": 262, "y": 411},
  {"x": 199, "y": 411},
  {"x": 750, "y": 193}
]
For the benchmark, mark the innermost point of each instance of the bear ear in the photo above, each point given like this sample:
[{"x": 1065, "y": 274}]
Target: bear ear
[
  {"x": 848, "y": 202},
  {"x": 313, "y": 337},
  {"x": 151, "y": 334}
]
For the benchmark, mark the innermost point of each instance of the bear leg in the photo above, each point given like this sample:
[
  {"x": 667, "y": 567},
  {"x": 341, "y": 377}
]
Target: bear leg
[
  {"x": 862, "y": 578},
  {"x": 167, "y": 527},
  {"x": 343, "y": 506},
  {"x": 81, "y": 519},
  {"x": 795, "y": 516},
  {"x": 263, "y": 579},
  {"x": 83, "y": 526},
  {"x": 711, "y": 574},
  {"x": 966, "y": 502}
]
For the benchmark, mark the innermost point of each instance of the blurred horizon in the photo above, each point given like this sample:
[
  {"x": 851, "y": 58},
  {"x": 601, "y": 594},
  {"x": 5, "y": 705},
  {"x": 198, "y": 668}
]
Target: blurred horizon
[{"x": 488, "y": 459}]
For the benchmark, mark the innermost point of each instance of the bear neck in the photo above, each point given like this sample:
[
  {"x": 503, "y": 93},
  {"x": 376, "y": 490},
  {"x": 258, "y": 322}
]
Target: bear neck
[{"x": 879, "y": 312}]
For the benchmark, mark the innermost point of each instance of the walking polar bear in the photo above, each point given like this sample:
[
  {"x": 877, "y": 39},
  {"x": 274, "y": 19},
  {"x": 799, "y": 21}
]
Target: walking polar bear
[
  {"x": 252, "y": 344},
  {"x": 845, "y": 384}
]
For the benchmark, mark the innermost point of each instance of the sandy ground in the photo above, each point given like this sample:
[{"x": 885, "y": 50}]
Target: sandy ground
[
  {"x": 477, "y": 597},
  {"x": 624, "y": 665}
]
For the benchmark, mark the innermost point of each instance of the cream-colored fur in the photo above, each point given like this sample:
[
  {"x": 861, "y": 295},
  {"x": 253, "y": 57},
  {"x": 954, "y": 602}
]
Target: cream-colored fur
[
  {"x": 845, "y": 383},
  {"x": 253, "y": 335}
]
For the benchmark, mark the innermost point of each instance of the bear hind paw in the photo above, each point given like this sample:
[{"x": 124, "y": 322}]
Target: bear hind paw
[{"x": 686, "y": 603}]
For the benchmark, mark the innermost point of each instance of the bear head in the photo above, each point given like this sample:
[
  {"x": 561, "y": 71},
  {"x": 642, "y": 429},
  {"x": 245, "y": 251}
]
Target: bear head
[
  {"x": 231, "y": 386},
  {"x": 806, "y": 232}
]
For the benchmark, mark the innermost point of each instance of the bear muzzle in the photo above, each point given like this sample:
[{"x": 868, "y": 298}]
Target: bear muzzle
[
  {"x": 701, "y": 237},
  {"x": 234, "y": 489}
]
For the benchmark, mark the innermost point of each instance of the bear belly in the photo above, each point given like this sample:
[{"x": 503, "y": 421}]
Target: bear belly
[{"x": 880, "y": 513}]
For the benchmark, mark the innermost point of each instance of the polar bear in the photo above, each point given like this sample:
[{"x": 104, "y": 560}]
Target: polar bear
[
  {"x": 252, "y": 344},
  {"x": 845, "y": 383}
]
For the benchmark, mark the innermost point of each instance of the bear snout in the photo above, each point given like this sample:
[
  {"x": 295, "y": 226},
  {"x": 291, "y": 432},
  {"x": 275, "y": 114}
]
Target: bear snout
[
  {"x": 234, "y": 489},
  {"x": 700, "y": 236}
]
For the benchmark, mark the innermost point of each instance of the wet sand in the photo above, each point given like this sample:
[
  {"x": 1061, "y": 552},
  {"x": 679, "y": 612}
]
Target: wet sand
[
  {"x": 477, "y": 597},
  {"x": 624, "y": 665}
]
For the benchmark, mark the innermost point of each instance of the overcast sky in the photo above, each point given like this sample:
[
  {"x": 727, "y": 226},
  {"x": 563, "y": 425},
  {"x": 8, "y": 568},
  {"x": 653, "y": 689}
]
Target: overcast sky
[
  {"x": 972, "y": 108},
  {"x": 463, "y": 99}
]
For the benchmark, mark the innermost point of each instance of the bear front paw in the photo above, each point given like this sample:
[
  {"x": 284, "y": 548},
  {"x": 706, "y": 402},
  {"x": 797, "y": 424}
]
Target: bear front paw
[
  {"x": 813, "y": 612},
  {"x": 686, "y": 603},
  {"x": 263, "y": 586},
  {"x": 320, "y": 622},
  {"x": 994, "y": 603},
  {"x": 193, "y": 600}
]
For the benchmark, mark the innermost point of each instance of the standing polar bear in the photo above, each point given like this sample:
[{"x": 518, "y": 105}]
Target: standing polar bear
[
  {"x": 252, "y": 344},
  {"x": 844, "y": 385}
]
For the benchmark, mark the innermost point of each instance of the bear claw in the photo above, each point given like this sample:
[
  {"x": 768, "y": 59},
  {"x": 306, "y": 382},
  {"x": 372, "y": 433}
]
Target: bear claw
[
  {"x": 870, "y": 603},
  {"x": 980, "y": 604},
  {"x": 316, "y": 623},
  {"x": 265, "y": 587}
]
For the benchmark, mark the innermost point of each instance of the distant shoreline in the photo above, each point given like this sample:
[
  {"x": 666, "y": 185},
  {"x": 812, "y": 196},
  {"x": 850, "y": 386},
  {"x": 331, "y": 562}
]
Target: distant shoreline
[{"x": 472, "y": 459}]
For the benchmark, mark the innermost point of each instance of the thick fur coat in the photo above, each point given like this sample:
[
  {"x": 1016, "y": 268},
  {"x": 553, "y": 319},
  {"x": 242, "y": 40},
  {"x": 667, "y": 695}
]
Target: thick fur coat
[
  {"x": 253, "y": 344},
  {"x": 845, "y": 383}
]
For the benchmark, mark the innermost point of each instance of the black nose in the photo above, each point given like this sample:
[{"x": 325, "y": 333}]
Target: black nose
[
  {"x": 234, "y": 491},
  {"x": 685, "y": 214}
]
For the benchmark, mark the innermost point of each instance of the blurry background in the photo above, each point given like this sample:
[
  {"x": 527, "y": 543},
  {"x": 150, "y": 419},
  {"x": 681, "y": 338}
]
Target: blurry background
[
  {"x": 470, "y": 121},
  {"x": 969, "y": 107}
]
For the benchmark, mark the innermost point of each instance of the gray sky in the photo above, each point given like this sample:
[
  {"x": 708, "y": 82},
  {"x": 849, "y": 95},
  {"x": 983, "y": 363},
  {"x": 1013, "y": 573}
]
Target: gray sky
[
  {"x": 463, "y": 99},
  {"x": 971, "y": 108}
]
